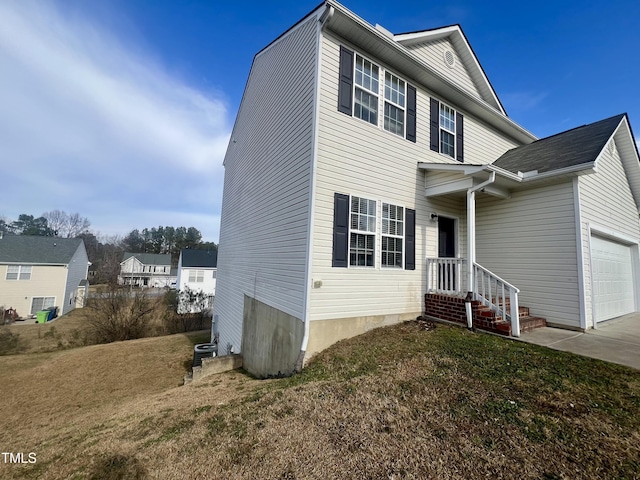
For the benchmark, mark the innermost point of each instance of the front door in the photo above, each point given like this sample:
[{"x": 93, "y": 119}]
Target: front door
[{"x": 447, "y": 249}]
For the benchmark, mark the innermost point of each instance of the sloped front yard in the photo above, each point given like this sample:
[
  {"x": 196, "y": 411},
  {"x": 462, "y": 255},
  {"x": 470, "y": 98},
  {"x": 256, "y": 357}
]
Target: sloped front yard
[{"x": 399, "y": 402}]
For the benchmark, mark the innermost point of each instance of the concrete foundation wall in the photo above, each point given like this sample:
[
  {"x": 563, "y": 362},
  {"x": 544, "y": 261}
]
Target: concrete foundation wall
[
  {"x": 271, "y": 340},
  {"x": 324, "y": 333}
]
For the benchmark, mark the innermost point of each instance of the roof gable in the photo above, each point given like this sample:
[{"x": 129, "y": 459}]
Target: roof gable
[
  {"x": 447, "y": 50},
  {"x": 149, "y": 258},
  {"x": 38, "y": 250},
  {"x": 190, "y": 257},
  {"x": 578, "y": 146}
]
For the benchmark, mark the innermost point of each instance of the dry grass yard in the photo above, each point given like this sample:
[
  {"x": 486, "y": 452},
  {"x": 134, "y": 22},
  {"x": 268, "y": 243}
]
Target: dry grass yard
[{"x": 395, "y": 403}]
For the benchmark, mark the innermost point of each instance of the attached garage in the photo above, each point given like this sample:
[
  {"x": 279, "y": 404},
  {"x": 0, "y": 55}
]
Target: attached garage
[{"x": 612, "y": 273}]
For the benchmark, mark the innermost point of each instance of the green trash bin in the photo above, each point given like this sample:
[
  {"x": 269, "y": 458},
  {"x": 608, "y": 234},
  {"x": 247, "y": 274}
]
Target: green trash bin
[{"x": 41, "y": 316}]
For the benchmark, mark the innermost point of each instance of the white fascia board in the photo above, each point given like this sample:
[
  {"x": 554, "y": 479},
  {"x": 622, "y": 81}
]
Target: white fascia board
[
  {"x": 629, "y": 156},
  {"x": 464, "y": 185},
  {"x": 452, "y": 167},
  {"x": 582, "y": 169},
  {"x": 442, "y": 85}
]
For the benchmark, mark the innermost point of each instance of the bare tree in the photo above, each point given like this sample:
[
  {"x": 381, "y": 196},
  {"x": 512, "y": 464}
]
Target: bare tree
[
  {"x": 76, "y": 225},
  {"x": 65, "y": 224}
]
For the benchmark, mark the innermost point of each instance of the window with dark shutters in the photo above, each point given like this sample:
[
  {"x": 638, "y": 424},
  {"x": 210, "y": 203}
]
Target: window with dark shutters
[
  {"x": 410, "y": 240},
  {"x": 345, "y": 87},
  {"x": 435, "y": 125},
  {"x": 459, "y": 138},
  {"x": 443, "y": 123},
  {"x": 340, "y": 230}
]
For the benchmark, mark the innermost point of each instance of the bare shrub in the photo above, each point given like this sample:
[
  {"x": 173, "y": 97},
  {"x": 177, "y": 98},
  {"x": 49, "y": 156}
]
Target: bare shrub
[
  {"x": 187, "y": 310},
  {"x": 119, "y": 314},
  {"x": 9, "y": 342}
]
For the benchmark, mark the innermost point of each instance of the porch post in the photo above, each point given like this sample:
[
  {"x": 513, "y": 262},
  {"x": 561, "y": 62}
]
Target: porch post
[{"x": 471, "y": 250}]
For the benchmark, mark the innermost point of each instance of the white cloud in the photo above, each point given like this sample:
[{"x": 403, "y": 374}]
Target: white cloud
[{"x": 90, "y": 125}]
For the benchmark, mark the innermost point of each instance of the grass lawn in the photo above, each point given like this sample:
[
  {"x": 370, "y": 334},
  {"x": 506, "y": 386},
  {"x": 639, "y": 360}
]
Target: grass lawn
[{"x": 399, "y": 402}]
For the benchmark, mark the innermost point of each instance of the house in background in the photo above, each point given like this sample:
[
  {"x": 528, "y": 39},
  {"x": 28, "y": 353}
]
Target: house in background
[
  {"x": 197, "y": 271},
  {"x": 371, "y": 177},
  {"x": 146, "y": 270},
  {"x": 41, "y": 272}
]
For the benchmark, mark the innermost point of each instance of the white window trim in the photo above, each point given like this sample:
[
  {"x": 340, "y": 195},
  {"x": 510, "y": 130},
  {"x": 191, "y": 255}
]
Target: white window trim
[
  {"x": 364, "y": 232},
  {"x": 43, "y": 306},
  {"x": 402, "y": 237},
  {"x": 380, "y": 96},
  {"x": 454, "y": 132},
  {"x": 22, "y": 270},
  {"x": 377, "y": 246}
]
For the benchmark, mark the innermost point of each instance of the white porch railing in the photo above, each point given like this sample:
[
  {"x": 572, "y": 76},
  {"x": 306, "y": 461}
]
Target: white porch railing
[
  {"x": 500, "y": 296},
  {"x": 446, "y": 275}
]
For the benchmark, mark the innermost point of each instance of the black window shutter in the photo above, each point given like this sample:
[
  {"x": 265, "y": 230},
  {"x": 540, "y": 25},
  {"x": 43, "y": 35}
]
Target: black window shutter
[
  {"x": 410, "y": 240},
  {"x": 459, "y": 137},
  {"x": 435, "y": 125},
  {"x": 345, "y": 87},
  {"x": 411, "y": 113},
  {"x": 340, "y": 230}
]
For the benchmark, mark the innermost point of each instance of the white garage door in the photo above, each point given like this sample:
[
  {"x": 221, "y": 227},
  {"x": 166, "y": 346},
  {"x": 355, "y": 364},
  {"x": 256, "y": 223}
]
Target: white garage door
[{"x": 612, "y": 279}]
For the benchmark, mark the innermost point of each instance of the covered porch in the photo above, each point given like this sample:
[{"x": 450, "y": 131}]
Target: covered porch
[{"x": 458, "y": 288}]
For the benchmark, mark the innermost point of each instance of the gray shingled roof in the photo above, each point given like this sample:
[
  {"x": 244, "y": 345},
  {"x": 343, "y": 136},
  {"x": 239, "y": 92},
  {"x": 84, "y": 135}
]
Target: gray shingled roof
[
  {"x": 149, "y": 258},
  {"x": 199, "y": 258},
  {"x": 37, "y": 250},
  {"x": 567, "y": 149}
]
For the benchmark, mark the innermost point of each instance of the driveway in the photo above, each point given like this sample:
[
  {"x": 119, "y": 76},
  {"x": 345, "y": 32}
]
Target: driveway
[{"x": 616, "y": 340}]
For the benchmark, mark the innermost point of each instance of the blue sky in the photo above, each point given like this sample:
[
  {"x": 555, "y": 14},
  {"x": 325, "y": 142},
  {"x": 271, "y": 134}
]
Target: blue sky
[{"x": 122, "y": 109}]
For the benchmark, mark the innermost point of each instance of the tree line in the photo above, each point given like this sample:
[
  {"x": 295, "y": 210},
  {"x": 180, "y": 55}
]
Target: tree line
[{"x": 105, "y": 252}]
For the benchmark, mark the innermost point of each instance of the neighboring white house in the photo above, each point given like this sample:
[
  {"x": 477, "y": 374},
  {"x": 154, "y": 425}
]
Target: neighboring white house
[
  {"x": 146, "y": 270},
  {"x": 197, "y": 271},
  {"x": 41, "y": 272},
  {"x": 372, "y": 177}
]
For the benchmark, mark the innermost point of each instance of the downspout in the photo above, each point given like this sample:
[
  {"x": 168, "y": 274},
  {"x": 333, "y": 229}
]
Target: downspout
[
  {"x": 471, "y": 243},
  {"x": 326, "y": 15}
]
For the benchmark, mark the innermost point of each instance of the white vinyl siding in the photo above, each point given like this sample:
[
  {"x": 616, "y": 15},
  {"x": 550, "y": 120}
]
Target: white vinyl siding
[
  {"x": 432, "y": 53},
  {"x": 530, "y": 241},
  {"x": 265, "y": 207},
  {"x": 606, "y": 201},
  {"x": 357, "y": 159}
]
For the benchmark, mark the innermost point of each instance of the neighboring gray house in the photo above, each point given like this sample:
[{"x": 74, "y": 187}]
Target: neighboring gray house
[
  {"x": 372, "y": 177},
  {"x": 147, "y": 270},
  {"x": 41, "y": 272}
]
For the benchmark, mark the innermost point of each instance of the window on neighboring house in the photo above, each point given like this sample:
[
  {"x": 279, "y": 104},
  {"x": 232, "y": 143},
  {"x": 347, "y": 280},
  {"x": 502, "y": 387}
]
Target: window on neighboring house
[
  {"x": 18, "y": 272},
  {"x": 362, "y": 233},
  {"x": 196, "y": 276},
  {"x": 359, "y": 91},
  {"x": 41, "y": 303},
  {"x": 214, "y": 274},
  {"x": 394, "y": 104},
  {"x": 365, "y": 105},
  {"x": 446, "y": 130},
  {"x": 392, "y": 235}
]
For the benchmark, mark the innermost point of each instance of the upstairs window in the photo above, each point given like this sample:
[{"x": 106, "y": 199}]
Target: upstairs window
[
  {"x": 446, "y": 130},
  {"x": 196, "y": 276},
  {"x": 394, "y": 104},
  {"x": 18, "y": 272},
  {"x": 365, "y": 104},
  {"x": 361, "y": 87}
]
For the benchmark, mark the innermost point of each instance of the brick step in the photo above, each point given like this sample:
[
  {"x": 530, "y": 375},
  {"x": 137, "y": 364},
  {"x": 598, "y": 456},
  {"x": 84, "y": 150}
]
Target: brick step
[{"x": 531, "y": 323}]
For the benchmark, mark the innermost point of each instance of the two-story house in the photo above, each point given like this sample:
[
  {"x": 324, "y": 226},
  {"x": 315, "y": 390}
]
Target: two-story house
[
  {"x": 197, "y": 271},
  {"x": 41, "y": 272},
  {"x": 146, "y": 270},
  {"x": 371, "y": 177}
]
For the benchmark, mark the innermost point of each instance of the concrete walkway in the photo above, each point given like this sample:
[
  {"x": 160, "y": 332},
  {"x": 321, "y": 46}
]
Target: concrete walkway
[{"x": 616, "y": 341}]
